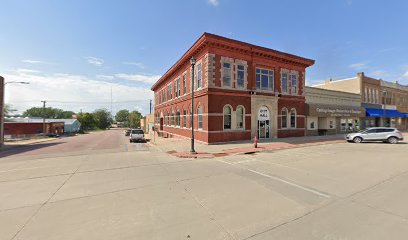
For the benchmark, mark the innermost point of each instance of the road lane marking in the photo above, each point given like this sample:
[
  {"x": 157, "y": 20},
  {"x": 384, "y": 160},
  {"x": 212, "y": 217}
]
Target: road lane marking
[{"x": 280, "y": 180}]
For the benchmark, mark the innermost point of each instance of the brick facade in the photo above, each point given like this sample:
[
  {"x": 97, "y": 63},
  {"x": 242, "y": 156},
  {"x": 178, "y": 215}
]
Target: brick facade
[
  {"x": 19, "y": 128},
  {"x": 228, "y": 97}
]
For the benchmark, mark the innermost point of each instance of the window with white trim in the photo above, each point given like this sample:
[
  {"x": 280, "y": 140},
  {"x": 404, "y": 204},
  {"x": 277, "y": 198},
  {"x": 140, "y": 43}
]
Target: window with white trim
[
  {"x": 199, "y": 76},
  {"x": 284, "y": 114},
  {"x": 226, "y": 74},
  {"x": 293, "y": 118},
  {"x": 240, "y": 76},
  {"x": 178, "y": 90},
  {"x": 284, "y": 82},
  {"x": 264, "y": 79},
  {"x": 170, "y": 92},
  {"x": 184, "y": 83},
  {"x": 200, "y": 117},
  {"x": 178, "y": 118},
  {"x": 294, "y": 83},
  {"x": 240, "y": 117},
  {"x": 184, "y": 118},
  {"x": 227, "y": 117}
]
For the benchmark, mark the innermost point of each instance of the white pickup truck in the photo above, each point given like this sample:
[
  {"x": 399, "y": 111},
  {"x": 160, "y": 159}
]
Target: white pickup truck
[{"x": 136, "y": 135}]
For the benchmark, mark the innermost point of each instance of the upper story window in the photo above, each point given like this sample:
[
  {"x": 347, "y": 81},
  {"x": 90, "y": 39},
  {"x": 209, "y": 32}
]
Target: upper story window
[
  {"x": 177, "y": 86},
  {"x": 199, "y": 76},
  {"x": 366, "y": 95},
  {"x": 284, "y": 82},
  {"x": 184, "y": 84},
  {"x": 294, "y": 83},
  {"x": 170, "y": 92},
  {"x": 240, "y": 76},
  {"x": 264, "y": 79},
  {"x": 226, "y": 74}
]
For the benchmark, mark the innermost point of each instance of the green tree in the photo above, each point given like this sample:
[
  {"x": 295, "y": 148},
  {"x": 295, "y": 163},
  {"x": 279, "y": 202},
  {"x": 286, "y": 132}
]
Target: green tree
[
  {"x": 48, "y": 112},
  {"x": 134, "y": 119},
  {"x": 87, "y": 121},
  {"x": 122, "y": 116},
  {"x": 102, "y": 118},
  {"x": 6, "y": 108}
]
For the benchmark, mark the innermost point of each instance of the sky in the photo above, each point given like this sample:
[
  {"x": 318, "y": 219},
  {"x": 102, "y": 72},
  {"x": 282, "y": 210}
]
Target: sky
[{"x": 75, "y": 53}]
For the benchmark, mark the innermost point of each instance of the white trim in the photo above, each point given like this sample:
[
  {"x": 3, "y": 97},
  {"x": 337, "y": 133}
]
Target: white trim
[
  {"x": 223, "y": 117},
  {"x": 243, "y": 117}
]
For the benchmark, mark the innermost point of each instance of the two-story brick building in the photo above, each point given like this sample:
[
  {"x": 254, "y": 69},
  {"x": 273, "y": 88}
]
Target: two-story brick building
[{"x": 241, "y": 90}]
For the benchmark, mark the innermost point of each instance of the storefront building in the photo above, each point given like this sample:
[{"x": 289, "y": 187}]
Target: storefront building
[
  {"x": 241, "y": 91},
  {"x": 385, "y": 103},
  {"x": 332, "y": 112}
]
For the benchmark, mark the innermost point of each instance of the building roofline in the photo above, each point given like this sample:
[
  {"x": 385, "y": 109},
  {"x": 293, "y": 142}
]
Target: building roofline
[{"x": 209, "y": 37}]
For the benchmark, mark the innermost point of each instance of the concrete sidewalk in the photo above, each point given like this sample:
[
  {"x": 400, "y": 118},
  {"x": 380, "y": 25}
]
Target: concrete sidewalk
[
  {"x": 13, "y": 144},
  {"x": 180, "y": 147}
]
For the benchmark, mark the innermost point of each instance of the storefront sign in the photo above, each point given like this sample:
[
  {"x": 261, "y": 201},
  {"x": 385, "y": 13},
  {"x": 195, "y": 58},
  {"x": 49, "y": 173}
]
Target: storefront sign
[
  {"x": 334, "y": 111},
  {"x": 263, "y": 114}
]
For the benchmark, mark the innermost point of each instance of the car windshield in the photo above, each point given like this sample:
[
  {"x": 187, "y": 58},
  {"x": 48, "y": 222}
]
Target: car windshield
[{"x": 137, "y": 131}]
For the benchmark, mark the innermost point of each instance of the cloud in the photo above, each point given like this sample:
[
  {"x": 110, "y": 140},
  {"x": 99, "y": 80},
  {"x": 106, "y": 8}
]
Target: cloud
[
  {"x": 405, "y": 75},
  {"x": 25, "y": 70},
  {"x": 31, "y": 61},
  {"x": 73, "y": 92},
  {"x": 149, "y": 79},
  {"x": 379, "y": 73},
  {"x": 213, "y": 2},
  {"x": 95, "y": 61},
  {"x": 358, "y": 66},
  {"x": 105, "y": 77},
  {"x": 137, "y": 64}
]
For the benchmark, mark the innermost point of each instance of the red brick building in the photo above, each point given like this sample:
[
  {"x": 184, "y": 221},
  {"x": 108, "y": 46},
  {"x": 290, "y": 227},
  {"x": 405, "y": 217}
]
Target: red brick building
[
  {"x": 32, "y": 128},
  {"x": 241, "y": 90}
]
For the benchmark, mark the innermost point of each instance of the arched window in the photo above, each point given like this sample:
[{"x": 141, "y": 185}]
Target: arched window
[
  {"x": 284, "y": 123},
  {"x": 172, "y": 118},
  {"x": 240, "y": 117},
  {"x": 200, "y": 117},
  {"x": 184, "y": 118},
  {"x": 293, "y": 118},
  {"x": 178, "y": 118},
  {"x": 227, "y": 117}
]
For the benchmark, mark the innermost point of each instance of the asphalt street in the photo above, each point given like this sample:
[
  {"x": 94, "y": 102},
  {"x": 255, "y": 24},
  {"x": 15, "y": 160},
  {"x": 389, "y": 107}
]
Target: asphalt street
[{"x": 100, "y": 186}]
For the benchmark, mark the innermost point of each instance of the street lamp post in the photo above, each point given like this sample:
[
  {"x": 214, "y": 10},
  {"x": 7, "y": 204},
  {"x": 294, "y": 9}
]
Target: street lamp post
[
  {"x": 2, "y": 91},
  {"x": 192, "y": 61}
]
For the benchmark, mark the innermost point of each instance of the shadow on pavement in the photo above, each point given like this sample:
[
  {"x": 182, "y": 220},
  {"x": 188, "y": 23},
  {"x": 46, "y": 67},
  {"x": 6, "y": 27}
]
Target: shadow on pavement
[{"x": 25, "y": 148}]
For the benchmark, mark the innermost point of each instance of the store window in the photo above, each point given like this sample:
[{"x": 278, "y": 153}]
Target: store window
[
  {"x": 227, "y": 117},
  {"x": 284, "y": 113},
  {"x": 240, "y": 117}
]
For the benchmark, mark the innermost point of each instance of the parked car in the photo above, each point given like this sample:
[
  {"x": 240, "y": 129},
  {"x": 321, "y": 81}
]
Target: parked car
[
  {"x": 136, "y": 135},
  {"x": 127, "y": 132},
  {"x": 384, "y": 134}
]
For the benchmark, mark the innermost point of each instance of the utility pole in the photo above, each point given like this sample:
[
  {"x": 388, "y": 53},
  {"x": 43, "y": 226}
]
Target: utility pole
[
  {"x": 150, "y": 106},
  {"x": 111, "y": 103},
  {"x": 2, "y": 111},
  {"x": 44, "y": 128}
]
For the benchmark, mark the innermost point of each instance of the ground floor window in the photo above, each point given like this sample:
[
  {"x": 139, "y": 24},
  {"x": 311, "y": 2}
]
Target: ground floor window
[
  {"x": 227, "y": 117},
  {"x": 184, "y": 118},
  {"x": 178, "y": 118},
  {"x": 200, "y": 117}
]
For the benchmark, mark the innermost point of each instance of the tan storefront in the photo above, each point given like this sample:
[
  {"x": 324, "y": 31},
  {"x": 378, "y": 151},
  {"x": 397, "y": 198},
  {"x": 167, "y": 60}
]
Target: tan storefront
[{"x": 332, "y": 112}]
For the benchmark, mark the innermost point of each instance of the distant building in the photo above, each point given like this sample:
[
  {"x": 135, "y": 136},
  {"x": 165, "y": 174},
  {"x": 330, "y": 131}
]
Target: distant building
[
  {"x": 26, "y": 129},
  {"x": 241, "y": 91},
  {"x": 385, "y": 103},
  {"x": 69, "y": 126}
]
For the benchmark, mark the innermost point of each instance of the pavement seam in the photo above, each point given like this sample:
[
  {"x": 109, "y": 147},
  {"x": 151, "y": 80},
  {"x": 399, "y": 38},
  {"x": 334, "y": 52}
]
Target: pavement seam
[{"x": 43, "y": 204}]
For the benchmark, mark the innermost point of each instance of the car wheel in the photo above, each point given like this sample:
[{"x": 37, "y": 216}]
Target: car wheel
[
  {"x": 392, "y": 140},
  {"x": 357, "y": 140}
]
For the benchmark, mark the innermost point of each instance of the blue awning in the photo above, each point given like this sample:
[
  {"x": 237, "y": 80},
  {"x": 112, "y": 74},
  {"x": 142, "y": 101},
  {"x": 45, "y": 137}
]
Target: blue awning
[{"x": 374, "y": 112}]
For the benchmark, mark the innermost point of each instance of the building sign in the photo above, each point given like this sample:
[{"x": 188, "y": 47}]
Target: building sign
[
  {"x": 334, "y": 111},
  {"x": 263, "y": 114}
]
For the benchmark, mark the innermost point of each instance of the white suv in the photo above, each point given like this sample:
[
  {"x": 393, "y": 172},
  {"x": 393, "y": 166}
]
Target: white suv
[
  {"x": 391, "y": 135},
  {"x": 136, "y": 135}
]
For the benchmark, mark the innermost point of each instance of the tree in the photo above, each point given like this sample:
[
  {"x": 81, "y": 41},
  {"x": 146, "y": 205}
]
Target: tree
[
  {"x": 48, "y": 112},
  {"x": 87, "y": 121},
  {"x": 102, "y": 118},
  {"x": 6, "y": 109},
  {"x": 134, "y": 119},
  {"x": 122, "y": 116}
]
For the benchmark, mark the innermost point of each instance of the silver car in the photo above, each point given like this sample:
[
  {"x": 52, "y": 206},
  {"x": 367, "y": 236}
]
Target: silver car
[
  {"x": 136, "y": 135},
  {"x": 384, "y": 134}
]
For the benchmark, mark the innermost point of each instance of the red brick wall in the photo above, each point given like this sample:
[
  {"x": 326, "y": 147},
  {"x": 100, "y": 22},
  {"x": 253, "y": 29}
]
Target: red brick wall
[{"x": 32, "y": 128}]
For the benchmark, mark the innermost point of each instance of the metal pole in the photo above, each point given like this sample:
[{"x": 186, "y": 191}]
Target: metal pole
[
  {"x": 150, "y": 106},
  {"x": 2, "y": 112},
  {"x": 192, "y": 106},
  {"x": 44, "y": 128}
]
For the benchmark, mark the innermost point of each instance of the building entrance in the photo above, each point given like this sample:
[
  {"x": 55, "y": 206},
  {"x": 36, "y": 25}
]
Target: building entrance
[{"x": 263, "y": 123}]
